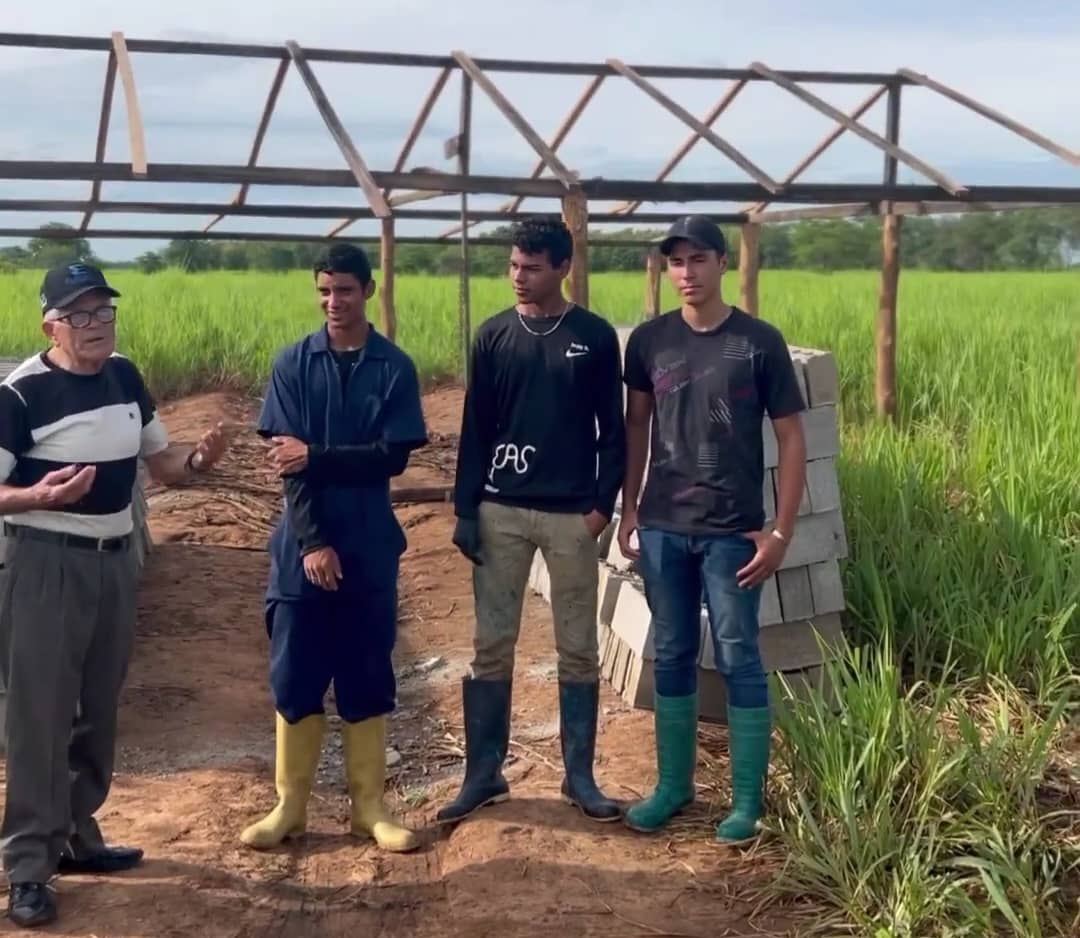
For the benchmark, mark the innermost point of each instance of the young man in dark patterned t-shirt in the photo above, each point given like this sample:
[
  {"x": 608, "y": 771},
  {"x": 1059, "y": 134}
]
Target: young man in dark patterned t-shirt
[{"x": 704, "y": 376}]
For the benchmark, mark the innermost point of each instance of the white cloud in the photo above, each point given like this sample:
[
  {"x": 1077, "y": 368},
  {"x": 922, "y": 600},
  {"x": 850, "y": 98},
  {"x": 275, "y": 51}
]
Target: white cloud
[{"x": 206, "y": 108}]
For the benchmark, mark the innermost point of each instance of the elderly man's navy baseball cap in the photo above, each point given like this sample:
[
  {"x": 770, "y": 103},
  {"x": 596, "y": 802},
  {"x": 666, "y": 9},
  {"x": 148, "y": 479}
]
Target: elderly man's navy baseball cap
[
  {"x": 698, "y": 229},
  {"x": 64, "y": 285}
]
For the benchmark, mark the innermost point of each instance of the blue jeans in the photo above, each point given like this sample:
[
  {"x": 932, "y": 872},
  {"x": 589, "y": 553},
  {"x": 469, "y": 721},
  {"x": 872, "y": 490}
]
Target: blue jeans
[{"x": 680, "y": 569}]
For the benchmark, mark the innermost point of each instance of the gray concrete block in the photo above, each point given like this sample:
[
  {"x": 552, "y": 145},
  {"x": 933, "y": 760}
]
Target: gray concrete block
[
  {"x": 632, "y": 620},
  {"x": 820, "y": 429},
  {"x": 623, "y": 658},
  {"x": 823, "y": 485},
  {"x": 796, "y": 600},
  {"x": 539, "y": 578},
  {"x": 639, "y": 688},
  {"x": 802, "y": 682},
  {"x": 822, "y": 378},
  {"x": 790, "y": 644},
  {"x": 827, "y": 587},
  {"x": 610, "y": 582},
  {"x": 769, "y": 611},
  {"x": 617, "y": 560},
  {"x": 768, "y": 494},
  {"x": 817, "y": 538}
]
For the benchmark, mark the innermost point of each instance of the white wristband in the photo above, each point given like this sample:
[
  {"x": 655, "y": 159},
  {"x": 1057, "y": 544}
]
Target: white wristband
[{"x": 780, "y": 537}]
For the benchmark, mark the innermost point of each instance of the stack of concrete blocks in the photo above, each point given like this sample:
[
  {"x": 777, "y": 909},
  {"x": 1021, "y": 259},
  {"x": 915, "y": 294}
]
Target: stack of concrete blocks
[
  {"x": 801, "y": 604},
  {"x": 141, "y": 530}
]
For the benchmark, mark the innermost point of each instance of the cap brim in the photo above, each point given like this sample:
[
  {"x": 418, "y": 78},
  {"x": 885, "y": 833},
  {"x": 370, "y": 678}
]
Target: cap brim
[
  {"x": 668, "y": 243},
  {"x": 82, "y": 291}
]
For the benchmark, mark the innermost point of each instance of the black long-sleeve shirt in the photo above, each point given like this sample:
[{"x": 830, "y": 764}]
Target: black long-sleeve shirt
[{"x": 542, "y": 425}]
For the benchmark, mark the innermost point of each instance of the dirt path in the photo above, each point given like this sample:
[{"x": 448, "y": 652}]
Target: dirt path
[{"x": 195, "y": 767}]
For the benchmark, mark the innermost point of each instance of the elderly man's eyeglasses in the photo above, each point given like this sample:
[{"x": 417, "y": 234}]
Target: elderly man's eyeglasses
[{"x": 81, "y": 318}]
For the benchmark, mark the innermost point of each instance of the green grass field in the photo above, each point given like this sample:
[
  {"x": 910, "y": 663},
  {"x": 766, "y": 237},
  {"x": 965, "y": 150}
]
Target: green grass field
[{"x": 921, "y": 809}]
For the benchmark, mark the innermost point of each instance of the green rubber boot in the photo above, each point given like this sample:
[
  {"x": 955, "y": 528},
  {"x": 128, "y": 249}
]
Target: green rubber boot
[
  {"x": 749, "y": 735},
  {"x": 675, "y": 719}
]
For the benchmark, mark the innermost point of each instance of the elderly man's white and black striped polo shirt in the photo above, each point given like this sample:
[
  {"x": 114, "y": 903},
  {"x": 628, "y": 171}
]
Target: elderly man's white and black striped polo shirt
[{"x": 51, "y": 418}]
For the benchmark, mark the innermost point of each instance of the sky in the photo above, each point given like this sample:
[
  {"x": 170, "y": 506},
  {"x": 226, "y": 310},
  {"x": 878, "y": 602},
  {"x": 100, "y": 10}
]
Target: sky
[{"x": 1018, "y": 58}]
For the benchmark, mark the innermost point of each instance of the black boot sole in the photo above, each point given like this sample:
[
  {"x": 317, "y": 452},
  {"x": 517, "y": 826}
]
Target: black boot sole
[
  {"x": 486, "y": 803},
  {"x": 35, "y": 921},
  {"x": 566, "y": 799}
]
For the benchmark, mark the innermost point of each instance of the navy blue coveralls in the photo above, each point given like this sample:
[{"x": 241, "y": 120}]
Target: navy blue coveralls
[{"x": 358, "y": 438}]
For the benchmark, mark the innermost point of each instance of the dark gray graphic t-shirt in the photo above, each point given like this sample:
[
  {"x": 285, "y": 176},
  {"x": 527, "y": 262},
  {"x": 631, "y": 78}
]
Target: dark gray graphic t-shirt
[{"x": 711, "y": 391}]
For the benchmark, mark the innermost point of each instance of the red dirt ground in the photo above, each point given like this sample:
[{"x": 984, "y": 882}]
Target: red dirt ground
[{"x": 196, "y": 750}]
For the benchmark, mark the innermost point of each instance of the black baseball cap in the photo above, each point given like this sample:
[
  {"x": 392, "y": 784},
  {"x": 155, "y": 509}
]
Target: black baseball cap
[
  {"x": 64, "y": 285},
  {"x": 700, "y": 229}
]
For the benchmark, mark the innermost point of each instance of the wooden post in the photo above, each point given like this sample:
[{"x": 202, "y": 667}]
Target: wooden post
[
  {"x": 576, "y": 215},
  {"x": 885, "y": 336},
  {"x": 386, "y": 269},
  {"x": 653, "y": 267},
  {"x": 885, "y": 339},
  {"x": 464, "y": 145},
  {"x": 749, "y": 263}
]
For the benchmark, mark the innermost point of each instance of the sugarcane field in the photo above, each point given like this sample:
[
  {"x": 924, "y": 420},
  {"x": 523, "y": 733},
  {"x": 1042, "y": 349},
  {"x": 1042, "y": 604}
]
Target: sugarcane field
[{"x": 440, "y": 516}]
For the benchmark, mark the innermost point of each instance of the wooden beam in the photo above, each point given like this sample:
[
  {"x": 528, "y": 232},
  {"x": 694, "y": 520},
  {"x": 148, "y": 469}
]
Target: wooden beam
[
  {"x": 576, "y": 215},
  {"x": 653, "y": 267},
  {"x": 386, "y": 272},
  {"x": 337, "y": 131},
  {"x": 102, "y": 135},
  {"x": 464, "y": 154},
  {"x": 260, "y": 134},
  {"x": 749, "y": 264},
  {"x": 830, "y": 138},
  {"x": 885, "y": 335},
  {"x": 410, "y": 141},
  {"x": 522, "y": 126},
  {"x": 563, "y": 131},
  {"x": 555, "y": 142},
  {"x": 690, "y": 142},
  {"x": 476, "y": 216},
  {"x": 846, "y": 210},
  {"x": 136, "y": 138},
  {"x": 1032, "y": 136},
  {"x": 196, "y": 234},
  {"x": 407, "y": 198},
  {"x": 855, "y": 127},
  {"x": 365, "y": 57},
  {"x": 596, "y": 188},
  {"x": 687, "y": 118}
]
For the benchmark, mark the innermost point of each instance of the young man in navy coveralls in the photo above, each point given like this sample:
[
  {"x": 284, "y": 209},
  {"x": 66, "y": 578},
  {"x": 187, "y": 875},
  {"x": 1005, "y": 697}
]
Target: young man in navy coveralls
[
  {"x": 540, "y": 463},
  {"x": 705, "y": 375},
  {"x": 343, "y": 413}
]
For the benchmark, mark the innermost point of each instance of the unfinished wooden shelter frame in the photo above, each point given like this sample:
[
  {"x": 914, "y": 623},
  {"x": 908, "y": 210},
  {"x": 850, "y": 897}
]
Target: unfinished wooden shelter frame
[{"x": 383, "y": 194}]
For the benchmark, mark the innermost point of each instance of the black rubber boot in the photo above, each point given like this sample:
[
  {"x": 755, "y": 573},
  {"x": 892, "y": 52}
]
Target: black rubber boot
[
  {"x": 31, "y": 905},
  {"x": 486, "y": 706},
  {"x": 578, "y": 705}
]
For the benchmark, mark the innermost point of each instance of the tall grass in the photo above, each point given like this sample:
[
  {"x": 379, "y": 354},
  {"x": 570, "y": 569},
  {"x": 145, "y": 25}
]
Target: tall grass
[{"x": 916, "y": 806}]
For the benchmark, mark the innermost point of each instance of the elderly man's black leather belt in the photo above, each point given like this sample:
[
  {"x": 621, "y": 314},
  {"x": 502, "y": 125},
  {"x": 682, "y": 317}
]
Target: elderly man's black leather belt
[{"x": 80, "y": 541}]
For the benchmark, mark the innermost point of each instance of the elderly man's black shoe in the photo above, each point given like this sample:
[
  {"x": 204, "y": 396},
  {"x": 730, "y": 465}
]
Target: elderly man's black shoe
[
  {"x": 107, "y": 860},
  {"x": 31, "y": 904}
]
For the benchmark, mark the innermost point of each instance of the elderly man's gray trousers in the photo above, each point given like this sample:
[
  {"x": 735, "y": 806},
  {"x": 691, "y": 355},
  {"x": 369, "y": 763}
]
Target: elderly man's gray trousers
[{"x": 67, "y": 622}]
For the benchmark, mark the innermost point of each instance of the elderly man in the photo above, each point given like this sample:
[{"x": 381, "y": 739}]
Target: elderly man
[{"x": 74, "y": 421}]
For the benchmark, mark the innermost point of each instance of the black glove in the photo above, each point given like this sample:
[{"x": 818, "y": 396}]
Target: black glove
[{"x": 467, "y": 539}]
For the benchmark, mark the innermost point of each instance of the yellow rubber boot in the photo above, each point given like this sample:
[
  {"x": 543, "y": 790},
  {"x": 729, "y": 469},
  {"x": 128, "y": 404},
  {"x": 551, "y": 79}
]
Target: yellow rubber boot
[
  {"x": 297, "y": 757},
  {"x": 365, "y": 762}
]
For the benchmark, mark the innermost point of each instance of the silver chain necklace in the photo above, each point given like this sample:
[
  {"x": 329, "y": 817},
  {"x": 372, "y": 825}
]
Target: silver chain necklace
[{"x": 525, "y": 325}]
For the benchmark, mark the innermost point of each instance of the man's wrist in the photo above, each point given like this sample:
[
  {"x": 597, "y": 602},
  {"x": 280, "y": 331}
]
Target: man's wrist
[
  {"x": 779, "y": 534},
  {"x": 194, "y": 462}
]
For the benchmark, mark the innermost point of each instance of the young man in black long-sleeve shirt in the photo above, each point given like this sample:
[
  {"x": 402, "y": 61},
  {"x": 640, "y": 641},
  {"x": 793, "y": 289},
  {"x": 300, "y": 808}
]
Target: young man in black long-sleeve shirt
[{"x": 540, "y": 463}]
